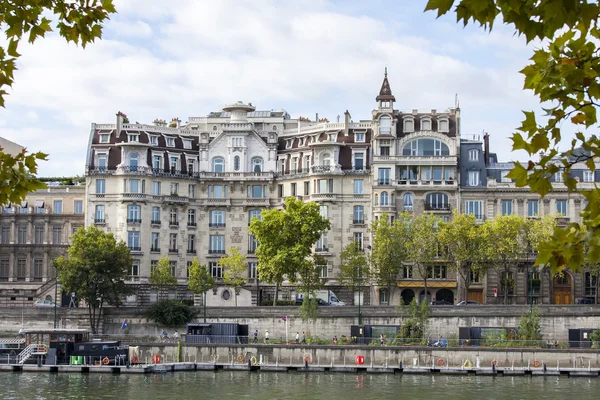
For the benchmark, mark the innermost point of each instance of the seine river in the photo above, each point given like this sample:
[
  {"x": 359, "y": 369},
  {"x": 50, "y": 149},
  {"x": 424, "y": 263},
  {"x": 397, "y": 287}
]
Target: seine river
[{"x": 243, "y": 385}]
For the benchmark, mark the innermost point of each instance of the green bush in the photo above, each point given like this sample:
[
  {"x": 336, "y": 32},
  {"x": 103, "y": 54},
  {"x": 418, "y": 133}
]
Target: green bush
[
  {"x": 595, "y": 338},
  {"x": 170, "y": 313}
]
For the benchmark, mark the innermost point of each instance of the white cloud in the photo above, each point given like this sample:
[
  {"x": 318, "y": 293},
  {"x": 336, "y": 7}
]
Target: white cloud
[{"x": 302, "y": 56}]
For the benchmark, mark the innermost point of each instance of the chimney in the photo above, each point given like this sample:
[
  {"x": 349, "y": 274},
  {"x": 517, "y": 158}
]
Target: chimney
[
  {"x": 317, "y": 118},
  {"x": 486, "y": 148},
  {"x": 119, "y": 123},
  {"x": 346, "y": 122}
]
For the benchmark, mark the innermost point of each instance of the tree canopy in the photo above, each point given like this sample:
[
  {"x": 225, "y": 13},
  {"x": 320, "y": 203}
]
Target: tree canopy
[
  {"x": 200, "y": 280},
  {"x": 563, "y": 74},
  {"x": 161, "y": 276},
  {"x": 95, "y": 269},
  {"x": 423, "y": 246},
  {"x": 354, "y": 267},
  {"x": 234, "y": 265}
]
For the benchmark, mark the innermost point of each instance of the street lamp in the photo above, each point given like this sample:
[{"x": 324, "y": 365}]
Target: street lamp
[
  {"x": 359, "y": 322},
  {"x": 531, "y": 289}
]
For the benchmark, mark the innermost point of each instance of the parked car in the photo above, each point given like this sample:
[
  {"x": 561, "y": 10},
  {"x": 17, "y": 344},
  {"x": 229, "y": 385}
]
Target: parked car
[
  {"x": 44, "y": 303},
  {"x": 440, "y": 303},
  {"x": 468, "y": 303}
]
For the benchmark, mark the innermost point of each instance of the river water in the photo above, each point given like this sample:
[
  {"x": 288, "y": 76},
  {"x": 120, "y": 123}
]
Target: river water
[{"x": 291, "y": 386}]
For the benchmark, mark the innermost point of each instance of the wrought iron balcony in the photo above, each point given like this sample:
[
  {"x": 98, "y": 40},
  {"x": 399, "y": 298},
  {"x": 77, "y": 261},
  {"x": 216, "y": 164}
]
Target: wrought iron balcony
[
  {"x": 155, "y": 222},
  {"x": 99, "y": 221},
  {"x": 213, "y": 251},
  {"x": 134, "y": 220},
  {"x": 358, "y": 221},
  {"x": 216, "y": 225},
  {"x": 155, "y": 249},
  {"x": 322, "y": 249}
]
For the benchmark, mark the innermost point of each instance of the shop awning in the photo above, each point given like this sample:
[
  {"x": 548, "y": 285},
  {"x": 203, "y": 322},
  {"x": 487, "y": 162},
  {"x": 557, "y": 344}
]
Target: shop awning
[
  {"x": 39, "y": 204},
  {"x": 430, "y": 284}
]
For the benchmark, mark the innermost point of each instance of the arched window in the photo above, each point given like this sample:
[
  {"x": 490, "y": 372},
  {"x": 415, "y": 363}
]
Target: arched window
[
  {"x": 409, "y": 125},
  {"x": 257, "y": 164},
  {"x": 426, "y": 124},
  {"x": 408, "y": 201},
  {"x": 385, "y": 199},
  {"x": 214, "y": 127},
  {"x": 325, "y": 159},
  {"x": 274, "y": 127},
  {"x": 218, "y": 164},
  {"x": 426, "y": 147},
  {"x": 436, "y": 201},
  {"x": 236, "y": 163},
  {"x": 385, "y": 125},
  {"x": 134, "y": 161},
  {"x": 443, "y": 125}
]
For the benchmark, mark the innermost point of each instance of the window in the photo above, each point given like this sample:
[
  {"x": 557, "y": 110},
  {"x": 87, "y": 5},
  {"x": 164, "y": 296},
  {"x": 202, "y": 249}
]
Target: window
[
  {"x": 306, "y": 188},
  {"x": 218, "y": 164},
  {"x": 192, "y": 191},
  {"x": 99, "y": 214},
  {"x": 133, "y": 161},
  {"x": 322, "y": 242},
  {"x": 359, "y": 186},
  {"x": 590, "y": 284},
  {"x": 187, "y": 144},
  {"x": 217, "y": 244},
  {"x": 437, "y": 175},
  {"x": 173, "y": 265},
  {"x": 324, "y": 211},
  {"x": 407, "y": 272},
  {"x": 155, "y": 244},
  {"x": 174, "y": 188},
  {"x": 104, "y": 138},
  {"x": 507, "y": 207},
  {"x": 174, "y": 164},
  {"x": 588, "y": 176},
  {"x": 155, "y": 215},
  {"x": 157, "y": 163},
  {"x": 507, "y": 282},
  {"x": 216, "y": 271},
  {"x": 436, "y": 201},
  {"x": 254, "y": 214},
  {"x": 473, "y": 155},
  {"x": 385, "y": 201},
  {"x": 359, "y": 161},
  {"x": 359, "y": 137},
  {"x": 133, "y": 138},
  {"x": 443, "y": 125},
  {"x": 217, "y": 191},
  {"x": 385, "y": 125},
  {"x": 78, "y": 206},
  {"x": 56, "y": 235},
  {"x": 437, "y": 272},
  {"x": 217, "y": 219},
  {"x": 38, "y": 236},
  {"x": 325, "y": 185},
  {"x": 358, "y": 215},
  {"x": 57, "y": 209},
  {"x": 252, "y": 244},
  {"x": 191, "y": 245},
  {"x": 5, "y": 234},
  {"x": 561, "y": 207},
  {"x": 22, "y": 234},
  {"x": 174, "y": 217},
  {"x": 323, "y": 271},
  {"x": 170, "y": 141},
  {"x": 134, "y": 186},
  {"x": 133, "y": 241},
  {"x": 21, "y": 268},
  {"x": 532, "y": 208},
  {"x": 504, "y": 177},
  {"x": 256, "y": 191},
  {"x": 473, "y": 178},
  {"x": 4, "y": 266},
  {"x": 153, "y": 140},
  {"x": 384, "y": 149},
  {"x": 236, "y": 163},
  {"x": 358, "y": 239},
  {"x": 102, "y": 161},
  {"x": 39, "y": 207},
  {"x": 425, "y": 147},
  {"x": 134, "y": 271},
  {"x": 134, "y": 214},
  {"x": 408, "y": 201},
  {"x": 252, "y": 272},
  {"x": 191, "y": 217},
  {"x": 409, "y": 125},
  {"x": 257, "y": 164},
  {"x": 558, "y": 177},
  {"x": 173, "y": 243},
  {"x": 237, "y": 142},
  {"x": 384, "y": 297},
  {"x": 191, "y": 166},
  {"x": 383, "y": 175},
  {"x": 325, "y": 160},
  {"x": 38, "y": 267},
  {"x": 474, "y": 207},
  {"x": 156, "y": 188},
  {"x": 293, "y": 189}
]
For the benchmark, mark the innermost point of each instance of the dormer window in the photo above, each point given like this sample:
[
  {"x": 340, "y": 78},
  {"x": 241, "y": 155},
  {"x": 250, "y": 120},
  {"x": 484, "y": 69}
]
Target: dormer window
[
  {"x": 443, "y": 125},
  {"x": 104, "y": 138},
  {"x": 174, "y": 163},
  {"x": 426, "y": 124},
  {"x": 187, "y": 144},
  {"x": 385, "y": 125},
  {"x": 359, "y": 137},
  {"x": 409, "y": 125},
  {"x": 473, "y": 155},
  {"x": 288, "y": 144},
  {"x": 153, "y": 140},
  {"x": 237, "y": 142},
  {"x": 133, "y": 138},
  {"x": 331, "y": 137},
  {"x": 386, "y": 104},
  {"x": 504, "y": 177},
  {"x": 301, "y": 142},
  {"x": 170, "y": 142}
]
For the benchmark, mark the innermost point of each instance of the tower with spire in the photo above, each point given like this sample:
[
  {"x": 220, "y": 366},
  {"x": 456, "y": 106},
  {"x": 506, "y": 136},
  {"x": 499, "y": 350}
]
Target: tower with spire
[{"x": 385, "y": 98}]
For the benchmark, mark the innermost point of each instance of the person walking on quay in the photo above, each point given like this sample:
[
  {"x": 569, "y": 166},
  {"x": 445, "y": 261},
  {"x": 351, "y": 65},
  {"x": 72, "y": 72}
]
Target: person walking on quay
[
  {"x": 255, "y": 336},
  {"x": 303, "y": 337},
  {"x": 381, "y": 339},
  {"x": 297, "y": 337},
  {"x": 176, "y": 336},
  {"x": 266, "y": 337},
  {"x": 163, "y": 335}
]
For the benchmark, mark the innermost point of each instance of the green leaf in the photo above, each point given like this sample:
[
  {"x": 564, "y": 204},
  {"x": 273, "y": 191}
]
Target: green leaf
[{"x": 442, "y": 6}]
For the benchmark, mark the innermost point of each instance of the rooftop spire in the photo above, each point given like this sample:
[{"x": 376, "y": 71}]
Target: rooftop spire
[{"x": 385, "y": 93}]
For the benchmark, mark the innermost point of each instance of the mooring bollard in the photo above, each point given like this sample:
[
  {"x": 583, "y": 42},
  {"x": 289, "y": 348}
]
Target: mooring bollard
[
  {"x": 493, "y": 368},
  {"x": 306, "y": 363},
  {"x": 250, "y": 364},
  {"x": 544, "y": 368},
  {"x": 400, "y": 365}
]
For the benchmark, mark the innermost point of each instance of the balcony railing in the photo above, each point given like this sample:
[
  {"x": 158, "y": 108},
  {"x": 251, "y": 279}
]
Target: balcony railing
[
  {"x": 322, "y": 168},
  {"x": 322, "y": 249},
  {"x": 191, "y": 251},
  {"x": 441, "y": 207},
  {"x": 173, "y": 223},
  {"x": 382, "y": 182},
  {"x": 138, "y": 170},
  {"x": 135, "y": 248},
  {"x": 99, "y": 221},
  {"x": 155, "y": 222},
  {"x": 155, "y": 249},
  {"x": 216, "y": 225},
  {"x": 191, "y": 224},
  {"x": 358, "y": 221},
  {"x": 213, "y": 251},
  {"x": 134, "y": 220},
  {"x": 173, "y": 251}
]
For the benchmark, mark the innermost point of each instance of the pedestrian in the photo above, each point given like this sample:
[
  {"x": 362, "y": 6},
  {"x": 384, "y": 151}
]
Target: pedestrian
[
  {"x": 303, "y": 337},
  {"x": 297, "y": 337},
  {"x": 266, "y": 337},
  {"x": 163, "y": 335},
  {"x": 335, "y": 341},
  {"x": 72, "y": 302},
  {"x": 176, "y": 336},
  {"x": 256, "y": 336},
  {"x": 381, "y": 339},
  {"x": 21, "y": 333}
]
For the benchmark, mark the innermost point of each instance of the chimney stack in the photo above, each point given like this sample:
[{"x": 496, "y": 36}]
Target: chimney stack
[{"x": 486, "y": 148}]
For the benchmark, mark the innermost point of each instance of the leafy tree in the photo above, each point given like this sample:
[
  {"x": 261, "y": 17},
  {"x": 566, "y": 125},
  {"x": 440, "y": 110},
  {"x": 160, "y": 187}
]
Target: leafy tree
[
  {"x": 170, "y": 312},
  {"x": 390, "y": 248},
  {"x": 286, "y": 239},
  {"x": 354, "y": 267},
  {"x": 310, "y": 281},
  {"x": 162, "y": 277},
  {"x": 423, "y": 246},
  {"x": 539, "y": 231},
  {"x": 530, "y": 325},
  {"x": 77, "y": 21},
  {"x": 563, "y": 74},
  {"x": 95, "y": 269},
  {"x": 594, "y": 269},
  {"x": 505, "y": 240},
  {"x": 200, "y": 281},
  {"x": 415, "y": 326},
  {"x": 234, "y": 265},
  {"x": 462, "y": 245}
]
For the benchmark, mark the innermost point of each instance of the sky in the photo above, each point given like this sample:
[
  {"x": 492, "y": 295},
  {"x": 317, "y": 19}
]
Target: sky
[{"x": 186, "y": 58}]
